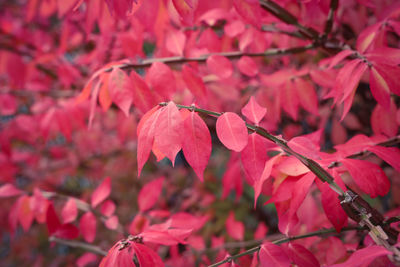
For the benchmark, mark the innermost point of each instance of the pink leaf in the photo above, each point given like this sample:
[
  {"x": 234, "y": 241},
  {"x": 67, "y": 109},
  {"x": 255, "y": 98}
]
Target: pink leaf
[
  {"x": 194, "y": 83},
  {"x": 232, "y": 131},
  {"x": 234, "y": 228},
  {"x": 52, "y": 221},
  {"x": 331, "y": 204},
  {"x": 302, "y": 187},
  {"x": 67, "y": 231},
  {"x": 302, "y": 256},
  {"x": 339, "y": 57},
  {"x": 168, "y": 136},
  {"x": 175, "y": 42},
  {"x": 232, "y": 178},
  {"x": 112, "y": 222},
  {"x": 86, "y": 259},
  {"x": 147, "y": 257},
  {"x": 389, "y": 154},
  {"x": 379, "y": 88},
  {"x": 247, "y": 66},
  {"x": 368, "y": 176},
  {"x": 146, "y": 137},
  {"x": 149, "y": 194},
  {"x": 367, "y": 37},
  {"x": 304, "y": 146},
  {"x": 305, "y": 91},
  {"x": 143, "y": 99},
  {"x": 254, "y": 156},
  {"x": 292, "y": 166},
  {"x": 101, "y": 192},
  {"x": 384, "y": 121},
  {"x": 186, "y": 9},
  {"x": 161, "y": 79},
  {"x": 119, "y": 86},
  {"x": 25, "y": 213},
  {"x": 253, "y": 111},
  {"x": 264, "y": 176},
  {"x": 220, "y": 66},
  {"x": 9, "y": 190},
  {"x": 196, "y": 145},
  {"x": 107, "y": 208},
  {"x": 250, "y": 11},
  {"x": 273, "y": 255},
  {"x": 69, "y": 211},
  {"x": 87, "y": 224},
  {"x": 364, "y": 257}
]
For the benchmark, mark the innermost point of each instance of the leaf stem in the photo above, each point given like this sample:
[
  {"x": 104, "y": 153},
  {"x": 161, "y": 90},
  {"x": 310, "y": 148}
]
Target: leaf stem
[{"x": 78, "y": 244}]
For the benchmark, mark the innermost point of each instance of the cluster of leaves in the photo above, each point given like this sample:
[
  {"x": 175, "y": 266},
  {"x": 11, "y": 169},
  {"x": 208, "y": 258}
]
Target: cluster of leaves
[{"x": 90, "y": 89}]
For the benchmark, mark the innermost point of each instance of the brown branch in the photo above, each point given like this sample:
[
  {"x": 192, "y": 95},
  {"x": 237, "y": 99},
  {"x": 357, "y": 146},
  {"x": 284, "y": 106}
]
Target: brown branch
[
  {"x": 288, "y": 18},
  {"x": 231, "y": 55},
  {"x": 329, "y": 22},
  {"x": 288, "y": 239},
  {"x": 78, "y": 244}
]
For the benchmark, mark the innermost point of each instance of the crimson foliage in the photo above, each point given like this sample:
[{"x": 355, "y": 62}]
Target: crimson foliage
[{"x": 293, "y": 105}]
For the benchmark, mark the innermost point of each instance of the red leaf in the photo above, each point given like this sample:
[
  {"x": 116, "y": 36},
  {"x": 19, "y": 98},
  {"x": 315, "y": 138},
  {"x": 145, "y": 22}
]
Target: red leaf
[
  {"x": 254, "y": 156},
  {"x": 264, "y": 176},
  {"x": 302, "y": 187},
  {"x": 86, "y": 259},
  {"x": 186, "y": 9},
  {"x": 119, "y": 86},
  {"x": 104, "y": 93},
  {"x": 389, "y": 154},
  {"x": 232, "y": 131},
  {"x": 8, "y": 104},
  {"x": 194, "y": 83},
  {"x": 368, "y": 176},
  {"x": 196, "y": 145},
  {"x": 9, "y": 190},
  {"x": 143, "y": 99},
  {"x": 101, "y": 192},
  {"x": 247, "y": 66},
  {"x": 52, "y": 221},
  {"x": 87, "y": 224},
  {"x": 25, "y": 214},
  {"x": 292, "y": 166},
  {"x": 367, "y": 36},
  {"x": 364, "y": 257},
  {"x": 234, "y": 228},
  {"x": 250, "y": 11},
  {"x": 234, "y": 28},
  {"x": 107, "y": 208},
  {"x": 232, "y": 178},
  {"x": 356, "y": 144},
  {"x": 175, "y": 42},
  {"x": 161, "y": 79},
  {"x": 146, "y": 256},
  {"x": 67, "y": 231},
  {"x": 339, "y": 57},
  {"x": 112, "y": 222},
  {"x": 220, "y": 66},
  {"x": 304, "y": 146},
  {"x": 69, "y": 211},
  {"x": 150, "y": 193},
  {"x": 146, "y": 137},
  {"x": 273, "y": 255},
  {"x": 302, "y": 256},
  {"x": 119, "y": 257},
  {"x": 384, "y": 121},
  {"x": 306, "y": 93},
  {"x": 331, "y": 204},
  {"x": 379, "y": 88},
  {"x": 168, "y": 135},
  {"x": 253, "y": 111}
]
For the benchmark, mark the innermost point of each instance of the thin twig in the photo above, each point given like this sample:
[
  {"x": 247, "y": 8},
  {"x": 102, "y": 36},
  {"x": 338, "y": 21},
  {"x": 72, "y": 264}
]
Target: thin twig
[
  {"x": 78, "y": 244},
  {"x": 288, "y": 239},
  {"x": 203, "y": 58},
  {"x": 288, "y": 18},
  {"x": 329, "y": 22}
]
